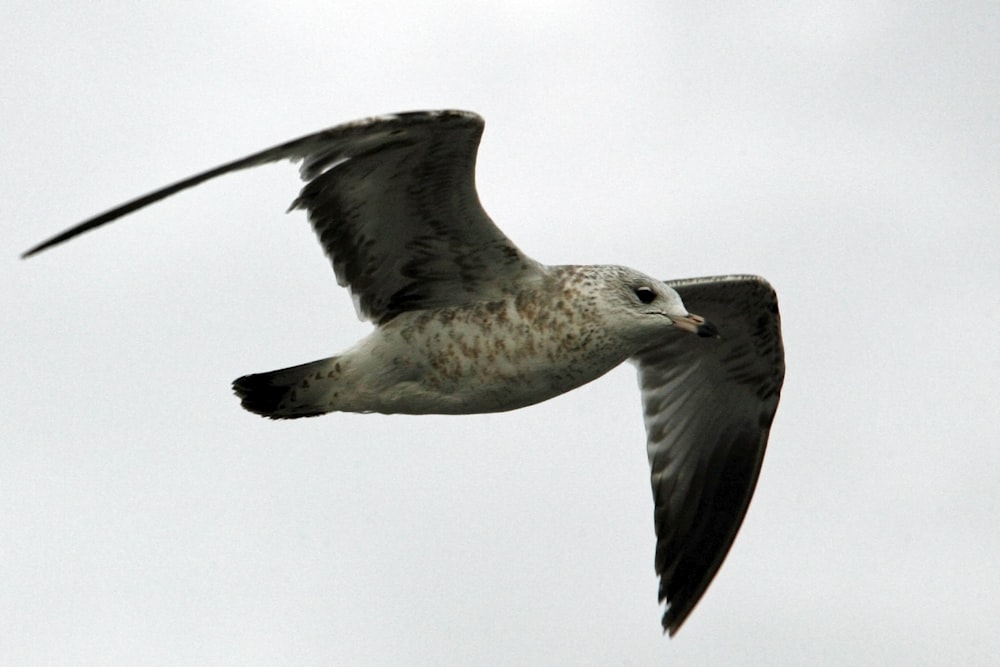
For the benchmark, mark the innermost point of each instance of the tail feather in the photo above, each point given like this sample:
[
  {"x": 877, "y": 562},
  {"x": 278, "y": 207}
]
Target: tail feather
[{"x": 288, "y": 393}]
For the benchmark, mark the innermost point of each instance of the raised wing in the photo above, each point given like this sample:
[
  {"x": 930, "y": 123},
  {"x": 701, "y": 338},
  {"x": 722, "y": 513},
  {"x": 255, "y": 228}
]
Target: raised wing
[
  {"x": 393, "y": 200},
  {"x": 708, "y": 405}
]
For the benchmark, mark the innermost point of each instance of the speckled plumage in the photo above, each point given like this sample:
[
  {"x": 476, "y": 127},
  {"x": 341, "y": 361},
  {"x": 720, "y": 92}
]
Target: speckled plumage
[
  {"x": 553, "y": 335},
  {"x": 466, "y": 323}
]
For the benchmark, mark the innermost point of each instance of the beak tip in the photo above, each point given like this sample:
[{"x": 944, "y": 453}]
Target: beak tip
[{"x": 707, "y": 330}]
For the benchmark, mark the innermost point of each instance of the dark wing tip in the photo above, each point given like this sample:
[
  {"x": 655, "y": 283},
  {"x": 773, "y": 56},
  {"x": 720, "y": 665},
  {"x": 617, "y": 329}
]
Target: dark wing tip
[
  {"x": 295, "y": 149},
  {"x": 62, "y": 237},
  {"x": 689, "y": 567},
  {"x": 145, "y": 200},
  {"x": 38, "y": 248},
  {"x": 82, "y": 227}
]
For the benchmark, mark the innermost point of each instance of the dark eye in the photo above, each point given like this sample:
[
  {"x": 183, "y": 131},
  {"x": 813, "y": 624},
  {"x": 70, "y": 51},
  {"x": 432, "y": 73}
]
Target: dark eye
[{"x": 645, "y": 294}]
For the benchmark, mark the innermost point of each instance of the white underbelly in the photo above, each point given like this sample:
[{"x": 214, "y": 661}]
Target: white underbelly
[{"x": 413, "y": 366}]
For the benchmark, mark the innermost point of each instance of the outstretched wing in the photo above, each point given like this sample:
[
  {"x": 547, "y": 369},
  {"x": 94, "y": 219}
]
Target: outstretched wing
[
  {"x": 393, "y": 200},
  {"x": 708, "y": 405}
]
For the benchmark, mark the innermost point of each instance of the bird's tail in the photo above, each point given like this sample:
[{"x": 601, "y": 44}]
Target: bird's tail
[{"x": 288, "y": 393}]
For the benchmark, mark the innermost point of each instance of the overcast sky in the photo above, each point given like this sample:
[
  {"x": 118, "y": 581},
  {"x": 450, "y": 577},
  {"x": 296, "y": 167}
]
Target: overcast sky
[{"x": 848, "y": 152}]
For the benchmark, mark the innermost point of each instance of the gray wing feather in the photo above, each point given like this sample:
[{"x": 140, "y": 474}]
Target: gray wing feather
[
  {"x": 402, "y": 222},
  {"x": 708, "y": 406},
  {"x": 394, "y": 203}
]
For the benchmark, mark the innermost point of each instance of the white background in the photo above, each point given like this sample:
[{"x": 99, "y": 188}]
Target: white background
[{"x": 849, "y": 152}]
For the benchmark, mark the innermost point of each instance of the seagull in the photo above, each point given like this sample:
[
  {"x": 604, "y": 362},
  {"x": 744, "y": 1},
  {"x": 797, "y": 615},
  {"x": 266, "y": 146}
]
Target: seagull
[{"x": 465, "y": 323}]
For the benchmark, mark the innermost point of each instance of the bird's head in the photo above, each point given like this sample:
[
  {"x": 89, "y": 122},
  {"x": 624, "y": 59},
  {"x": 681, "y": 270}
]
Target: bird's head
[{"x": 646, "y": 308}]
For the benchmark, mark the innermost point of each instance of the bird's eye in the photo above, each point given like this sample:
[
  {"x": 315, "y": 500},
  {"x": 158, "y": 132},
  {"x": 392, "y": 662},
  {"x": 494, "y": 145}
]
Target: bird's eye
[{"x": 645, "y": 294}]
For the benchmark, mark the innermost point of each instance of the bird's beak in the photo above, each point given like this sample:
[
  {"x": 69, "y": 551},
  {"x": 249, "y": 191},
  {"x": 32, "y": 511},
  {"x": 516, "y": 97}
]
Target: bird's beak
[{"x": 696, "y": 324}]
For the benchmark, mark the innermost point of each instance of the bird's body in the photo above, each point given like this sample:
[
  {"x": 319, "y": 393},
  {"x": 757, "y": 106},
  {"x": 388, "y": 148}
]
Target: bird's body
[
  {"x": 466, "y": 323},
  {"x": 488, "y": 356}
]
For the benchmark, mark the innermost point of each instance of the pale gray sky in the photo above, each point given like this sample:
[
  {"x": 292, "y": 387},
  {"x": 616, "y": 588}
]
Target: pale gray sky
[{"x": 849, "y": 152}]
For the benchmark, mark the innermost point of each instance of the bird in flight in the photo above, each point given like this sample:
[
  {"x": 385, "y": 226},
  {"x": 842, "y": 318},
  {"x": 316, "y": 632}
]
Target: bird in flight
[{"x": 464, "y": 323}]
